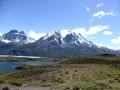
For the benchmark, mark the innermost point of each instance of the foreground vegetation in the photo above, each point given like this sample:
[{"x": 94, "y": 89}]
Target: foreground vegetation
[{"x": 100, "y": 72}]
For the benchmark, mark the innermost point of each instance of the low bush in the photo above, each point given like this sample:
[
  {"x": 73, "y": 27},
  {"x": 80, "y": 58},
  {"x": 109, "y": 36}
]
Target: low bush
[
  {"x": 59, "y": 80},
  {"x": 6, "y": 88},
  {"x": 76, "y": 88},
  {"x": 16, "y": 83},
  {"x": 111, "y": 81},
  {"x": 1, "y": 81},
  {"x": 66, "y": 72}
]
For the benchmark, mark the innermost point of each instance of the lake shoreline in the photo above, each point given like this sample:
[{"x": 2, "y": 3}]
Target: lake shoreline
[
  {"x": 15, "y": 59},
  {"x": 9, "y": 66}
]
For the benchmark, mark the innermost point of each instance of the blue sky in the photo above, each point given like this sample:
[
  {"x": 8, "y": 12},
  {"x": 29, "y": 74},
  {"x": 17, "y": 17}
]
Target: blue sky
[{"x": 97, "y": 20}]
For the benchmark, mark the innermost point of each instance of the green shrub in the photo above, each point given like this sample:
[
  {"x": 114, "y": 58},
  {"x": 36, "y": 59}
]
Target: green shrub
[
  {"x": 1, "y": 81},
  {"x": 59, "y": 80},
  {"x": 68, "y": 88},
  {"x": 119, "y": 81},
  {"x": 66, "y": 72},
  {"x": 16, "y": 83},
  {"x": 111, "y": 81},
  {"x": 76, "y": 88}
]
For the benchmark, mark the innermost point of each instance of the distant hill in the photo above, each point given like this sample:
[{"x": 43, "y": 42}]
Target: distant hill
[{"x": 106, "y": 55}]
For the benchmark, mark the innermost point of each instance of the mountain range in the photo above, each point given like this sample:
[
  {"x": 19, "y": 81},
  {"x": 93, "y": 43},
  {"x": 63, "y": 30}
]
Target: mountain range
[{"x": 54, "y": 44}]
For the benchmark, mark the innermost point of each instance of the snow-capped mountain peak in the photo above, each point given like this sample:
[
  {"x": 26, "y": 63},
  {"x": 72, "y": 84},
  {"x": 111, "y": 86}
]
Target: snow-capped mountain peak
[
  {"x": 14, "y": 36},
  {"x": 63, "y": 33},
  {"x": 66, "y": 37},
  {"x": 22, "y": 33}
]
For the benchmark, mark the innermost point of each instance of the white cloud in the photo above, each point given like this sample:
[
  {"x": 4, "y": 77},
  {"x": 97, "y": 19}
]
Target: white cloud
[
  {"x": 95, "y": 29},
  {"x": 88, "y": 8},
  {"x": 99, "y": 5},
  {"x": 92, "y": 30},
  {"x": 114, "y": 48},
  {"x": 112, "y": 13},
  {"x": 92, "y": 20},
  {"x": 35, "y": 35},
  {"x": 116, "y": 41},
  {"x": 107, "y": 33},
  {"x": 82, "y": 31},
  {"x": 1, "y": 34},
  {"x": 99, "y": 14}
]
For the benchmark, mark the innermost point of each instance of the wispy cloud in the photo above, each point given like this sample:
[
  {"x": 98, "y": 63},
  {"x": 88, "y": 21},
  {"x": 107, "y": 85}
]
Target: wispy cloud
[
  {"x": 88, "y": 8},
  {"x": 92, "y": 30},
  {"x": 100, "y": 14},
  {"x": 116, "y": 41},
  {"x": 112, "y": 13},
  {"x": 107, "y": 33},
  {"x": 92, "y": 20},
  {"x": 95, "y": 29},
  {"x": 35, "y": 35},
  {"x": 99, "y": 5},
  {"x": 8, "y": 14}
]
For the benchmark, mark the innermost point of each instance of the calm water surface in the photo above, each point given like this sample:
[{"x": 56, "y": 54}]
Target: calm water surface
[
  {"x": 6, "y": 67},
  {"x": 20, "y": 56}
]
